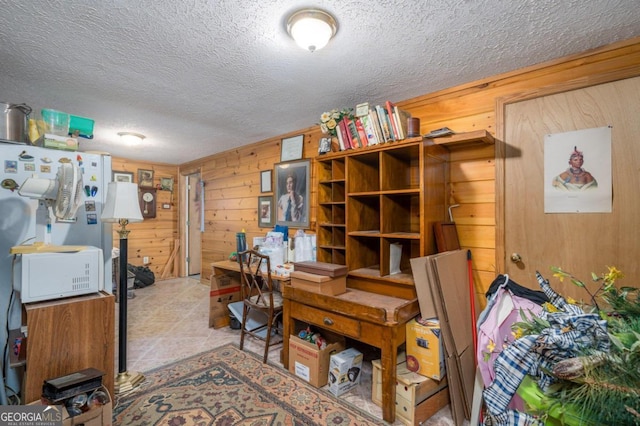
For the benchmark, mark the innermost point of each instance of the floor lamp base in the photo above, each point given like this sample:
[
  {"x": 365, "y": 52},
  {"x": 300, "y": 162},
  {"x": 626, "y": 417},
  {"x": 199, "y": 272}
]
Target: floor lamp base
[{"x": 127, "y": 381}]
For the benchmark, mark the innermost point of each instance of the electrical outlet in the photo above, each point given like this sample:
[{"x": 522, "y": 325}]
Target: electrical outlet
[{"x": 145, "y": 260}]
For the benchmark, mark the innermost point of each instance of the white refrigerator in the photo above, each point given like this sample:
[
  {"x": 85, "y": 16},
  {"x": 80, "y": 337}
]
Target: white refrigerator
[{"x": 18, "y": 224}]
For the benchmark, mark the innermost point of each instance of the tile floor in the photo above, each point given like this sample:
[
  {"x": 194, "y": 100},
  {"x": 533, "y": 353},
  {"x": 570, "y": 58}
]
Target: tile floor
[{"x": 170, "y": 320}]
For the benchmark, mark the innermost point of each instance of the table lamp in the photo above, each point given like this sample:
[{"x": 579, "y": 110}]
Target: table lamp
[{"x": 122, "y": 207}]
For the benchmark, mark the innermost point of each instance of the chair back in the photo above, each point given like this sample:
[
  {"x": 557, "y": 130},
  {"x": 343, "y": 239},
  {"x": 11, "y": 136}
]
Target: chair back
[{"x": 255, "y": 278}]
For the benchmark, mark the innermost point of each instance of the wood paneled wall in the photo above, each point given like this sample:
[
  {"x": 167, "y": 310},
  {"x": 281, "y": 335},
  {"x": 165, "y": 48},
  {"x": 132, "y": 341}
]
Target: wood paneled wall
[
  {"x": 153, "y": 237},
  {"x": 232, "y": 188},
  {"x": 233, "y": 177}
]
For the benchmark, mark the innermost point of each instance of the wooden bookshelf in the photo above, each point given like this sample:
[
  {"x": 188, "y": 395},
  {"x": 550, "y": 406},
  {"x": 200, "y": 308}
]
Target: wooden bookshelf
[{"x": 378, "y": 196}]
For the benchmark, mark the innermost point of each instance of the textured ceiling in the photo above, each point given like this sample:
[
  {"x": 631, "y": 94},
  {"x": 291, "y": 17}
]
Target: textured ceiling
[{"x": 199, "y": 77}]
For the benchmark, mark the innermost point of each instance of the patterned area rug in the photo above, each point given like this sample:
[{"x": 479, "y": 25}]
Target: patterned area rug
[{"x": 227, "y": 386}]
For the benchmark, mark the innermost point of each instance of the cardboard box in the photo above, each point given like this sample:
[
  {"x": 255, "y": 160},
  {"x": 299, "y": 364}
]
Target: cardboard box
[
  {"x": 310, "y": 363},
  {"x": 225, "y": 288},
  {"x": 60, "y": 142},
  {"x": 98, "y": 415},
  {"x": 425, "y": 354},
  {"x": 417, "y": 397},
  {"x": 423, "y": 290},
  {"x": 344, "y": 371},
  {"x": 319, "y": 283},
  {"x": 321, "y": 268}
]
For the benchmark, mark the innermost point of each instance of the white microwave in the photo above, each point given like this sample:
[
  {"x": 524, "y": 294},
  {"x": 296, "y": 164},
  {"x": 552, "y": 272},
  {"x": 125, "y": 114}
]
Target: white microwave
[{"x": 46, "y": 276}]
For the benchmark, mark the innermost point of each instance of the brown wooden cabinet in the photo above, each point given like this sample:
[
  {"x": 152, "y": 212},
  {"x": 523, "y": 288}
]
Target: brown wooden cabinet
[{"x": 68, "y": 335}]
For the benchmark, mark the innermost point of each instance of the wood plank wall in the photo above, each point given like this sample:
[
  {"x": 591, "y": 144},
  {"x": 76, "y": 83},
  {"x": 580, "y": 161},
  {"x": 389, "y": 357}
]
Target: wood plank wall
[
  {"x": 153, "y": 237},
  {"x": 232, "y": 188},
  {"x": 233, "y": 177}
]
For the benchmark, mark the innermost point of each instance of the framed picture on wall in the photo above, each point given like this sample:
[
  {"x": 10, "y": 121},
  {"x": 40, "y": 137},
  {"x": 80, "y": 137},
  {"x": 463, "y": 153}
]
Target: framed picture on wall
[
  {"x": 122, "y": 176},
  {"x": 145, "y": 177},
  {"x": 291, "y": 148},
  {"x": 265, "y": 212},
  {"x": 166, "y": 184},
  {"x": 265, "y": 181},
  {"x": 292, "y": 194}
]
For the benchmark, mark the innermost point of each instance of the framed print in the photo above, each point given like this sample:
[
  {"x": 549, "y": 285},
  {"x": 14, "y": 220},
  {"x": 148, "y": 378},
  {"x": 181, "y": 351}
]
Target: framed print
[
  {"x": 324, "y": 145},
  {"x": 265, "y": 212},
  {"x": 166, "y": 184},
  {"x": 291, "y": 148},
  {"x": 292, "y": 194},
  {"x": 122, "y": 176},
  {"x": 265, "y": 181},
  {"x": 145, "y": 177}
]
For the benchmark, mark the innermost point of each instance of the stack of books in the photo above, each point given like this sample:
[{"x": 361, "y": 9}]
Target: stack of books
[{"x": 372, "y": 126}]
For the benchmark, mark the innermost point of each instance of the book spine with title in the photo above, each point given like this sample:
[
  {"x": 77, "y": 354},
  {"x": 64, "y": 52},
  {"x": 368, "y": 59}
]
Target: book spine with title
[
  {"x": 384, "y": 123},
  {"x": 346, "y": 138},
  {"x": 393, "y": 129}
]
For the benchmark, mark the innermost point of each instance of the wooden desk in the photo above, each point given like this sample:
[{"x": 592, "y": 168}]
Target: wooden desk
[
  {"x": 218, "y": 318},
  {"x": 370, "y": 318},
  {"x": 231, "y": 265}
]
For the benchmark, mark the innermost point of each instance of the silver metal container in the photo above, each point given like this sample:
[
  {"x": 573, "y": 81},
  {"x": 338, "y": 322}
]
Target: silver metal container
[{"x": 14, "y": 122}]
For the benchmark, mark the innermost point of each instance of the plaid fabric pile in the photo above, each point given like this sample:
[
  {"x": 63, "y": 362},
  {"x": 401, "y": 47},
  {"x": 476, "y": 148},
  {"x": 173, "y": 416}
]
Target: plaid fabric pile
[{"x": 571, "y": 332}]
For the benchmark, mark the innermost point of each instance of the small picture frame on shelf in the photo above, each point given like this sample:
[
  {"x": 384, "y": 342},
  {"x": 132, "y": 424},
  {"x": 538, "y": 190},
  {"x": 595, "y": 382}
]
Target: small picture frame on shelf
[
  {"x": 324, "y": 145},
  {"x": 291, "y": 148},
  {"x": 122, "y": 176},
  {"x": 265, "y": 181},
  {"x": 145, "y": 178},
  {"x": 266, "y": 213}
]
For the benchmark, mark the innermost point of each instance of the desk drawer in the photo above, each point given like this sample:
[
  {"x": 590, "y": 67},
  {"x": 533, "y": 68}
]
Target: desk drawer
[{"x": 328, "y": 320}]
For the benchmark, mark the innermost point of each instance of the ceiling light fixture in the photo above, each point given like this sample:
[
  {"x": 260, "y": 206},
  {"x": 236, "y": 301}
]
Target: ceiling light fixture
[
  {"x": 311, "y": 28},
  {"x": 131, "y": 138}
]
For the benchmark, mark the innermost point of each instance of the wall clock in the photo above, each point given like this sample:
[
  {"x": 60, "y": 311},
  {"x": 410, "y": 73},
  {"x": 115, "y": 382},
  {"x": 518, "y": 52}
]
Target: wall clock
[{"x": 147, "y": 198}]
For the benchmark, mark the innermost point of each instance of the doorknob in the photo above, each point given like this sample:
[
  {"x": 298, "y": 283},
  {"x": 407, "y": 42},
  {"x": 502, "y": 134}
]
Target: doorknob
[{"x": 516, "y": 258}]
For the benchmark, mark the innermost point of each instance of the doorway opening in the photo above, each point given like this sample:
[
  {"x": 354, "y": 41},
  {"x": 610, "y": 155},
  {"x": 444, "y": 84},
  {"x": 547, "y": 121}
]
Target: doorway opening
[{"x": 194, "y": 225}]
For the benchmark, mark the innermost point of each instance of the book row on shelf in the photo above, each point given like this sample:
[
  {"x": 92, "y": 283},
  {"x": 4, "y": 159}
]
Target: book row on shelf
[{"x": 373, "y": 125}]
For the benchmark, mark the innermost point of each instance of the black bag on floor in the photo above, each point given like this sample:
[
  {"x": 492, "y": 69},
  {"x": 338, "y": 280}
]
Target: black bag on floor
[{"x": 144, "y": 276}]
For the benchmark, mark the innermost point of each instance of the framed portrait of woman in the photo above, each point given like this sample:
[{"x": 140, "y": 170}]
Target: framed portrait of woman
[
  {"x": 292, "y": 194},
  {"x": 145, "y": 178}
]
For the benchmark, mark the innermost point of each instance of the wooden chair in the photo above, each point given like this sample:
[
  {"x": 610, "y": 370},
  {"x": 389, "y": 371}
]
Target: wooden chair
[{"x": 258, "y": 294}]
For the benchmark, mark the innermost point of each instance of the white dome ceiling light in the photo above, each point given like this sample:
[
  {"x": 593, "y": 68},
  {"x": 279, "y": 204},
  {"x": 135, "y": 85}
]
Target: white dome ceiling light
[
  {"x": 311, "y": 28},
  {"x": 131, "y": 138}
]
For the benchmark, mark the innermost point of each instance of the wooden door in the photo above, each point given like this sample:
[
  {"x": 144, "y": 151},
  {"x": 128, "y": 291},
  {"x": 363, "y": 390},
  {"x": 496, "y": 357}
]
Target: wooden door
[
  {"x": 194, "y": 224},
  {"x": 578, "y": 243}
]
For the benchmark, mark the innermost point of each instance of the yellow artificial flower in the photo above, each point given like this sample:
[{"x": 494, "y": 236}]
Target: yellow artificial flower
[
  {"x": 329, "y": 120},
  {"x": 491, "y": 346},
  {"x": 559, "y": 275},
  {"x": 549, "y": 307},
  {"x": 517, "y": 333},
  {"x": 613, "y": 274}
]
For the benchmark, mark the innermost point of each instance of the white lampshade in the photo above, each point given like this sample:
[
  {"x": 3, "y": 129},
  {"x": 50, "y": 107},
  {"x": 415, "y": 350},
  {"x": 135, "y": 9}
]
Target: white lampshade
[
  {"x": 122, "y": 203},
  {"x": 311, "y": 28}
]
